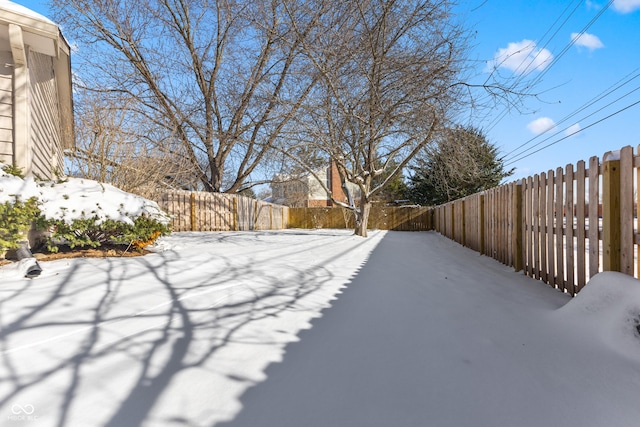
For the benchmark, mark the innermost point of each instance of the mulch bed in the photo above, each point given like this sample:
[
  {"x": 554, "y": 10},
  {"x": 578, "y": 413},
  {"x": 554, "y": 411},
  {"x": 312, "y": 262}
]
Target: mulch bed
[{"x": 103, "y": 251}]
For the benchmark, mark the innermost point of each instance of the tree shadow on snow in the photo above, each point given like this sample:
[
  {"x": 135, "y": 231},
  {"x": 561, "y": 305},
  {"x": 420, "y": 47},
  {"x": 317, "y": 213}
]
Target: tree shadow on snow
[{"x": 102, "y": 344}]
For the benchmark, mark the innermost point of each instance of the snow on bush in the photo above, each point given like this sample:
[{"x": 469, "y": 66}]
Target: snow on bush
[
  {"x": 75, "y": 198},
  {"x": 83, "y": 212},
  {"x": 14, "y": 188}
]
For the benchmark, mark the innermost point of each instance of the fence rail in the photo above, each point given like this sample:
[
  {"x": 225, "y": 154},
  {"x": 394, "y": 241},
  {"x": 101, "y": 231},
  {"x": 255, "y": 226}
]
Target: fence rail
[
  {"x": 561, "y": 227},
  {"x": 201, "y": 211}
]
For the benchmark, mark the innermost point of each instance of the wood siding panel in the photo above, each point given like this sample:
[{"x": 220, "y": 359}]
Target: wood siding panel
[
  {"x": 45, "y": 117},
  {"x": 6, "y": 109}
]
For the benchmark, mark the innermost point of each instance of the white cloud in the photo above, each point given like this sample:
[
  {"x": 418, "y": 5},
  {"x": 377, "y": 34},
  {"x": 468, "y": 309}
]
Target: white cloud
[
  {"x": 626, "y": 6},
  {"x": 592, "y": 5},
  {"x": 541, "y": 125},
  {"x": 521, "y": 58},
  {"x": 572, "y": 130},
  {"x": 587, "y": 40}
]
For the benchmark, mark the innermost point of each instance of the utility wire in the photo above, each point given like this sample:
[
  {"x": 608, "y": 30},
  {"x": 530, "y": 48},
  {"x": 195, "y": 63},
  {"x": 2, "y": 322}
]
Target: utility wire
[
  {"x": 571, "y": 43},
  {"x": 520, "y": 78},
  {"x": 551, "y": 38},
  {"x": 611, "y": 89},
  {"x": 558, "y": 56},
  {"x": 567, "y": 136}
]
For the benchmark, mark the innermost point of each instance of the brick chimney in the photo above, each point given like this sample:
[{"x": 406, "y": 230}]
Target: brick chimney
[{"x": 335, "y": 185}]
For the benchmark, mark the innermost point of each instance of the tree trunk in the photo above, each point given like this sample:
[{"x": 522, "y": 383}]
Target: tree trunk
[{"x": 362, "y": 217}]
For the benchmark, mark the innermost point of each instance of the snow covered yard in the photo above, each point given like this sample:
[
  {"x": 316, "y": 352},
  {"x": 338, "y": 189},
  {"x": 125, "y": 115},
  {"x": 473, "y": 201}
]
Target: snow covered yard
[
  {"x": 212, "y": 330},
  {"x": 171, "y": 338}
]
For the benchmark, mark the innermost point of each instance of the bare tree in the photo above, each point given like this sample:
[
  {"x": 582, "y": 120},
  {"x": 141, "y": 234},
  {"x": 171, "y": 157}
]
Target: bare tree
[
  {"x": 221, "y": 77},
  {"x": 120, "y": 147},
  {"x": 388, "y": 80}
]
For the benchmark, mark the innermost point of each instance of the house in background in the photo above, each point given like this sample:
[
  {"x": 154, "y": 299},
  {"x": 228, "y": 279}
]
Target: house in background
[
  {"x": 307, "y": 192},
  {"x": 36, "y": 113}
]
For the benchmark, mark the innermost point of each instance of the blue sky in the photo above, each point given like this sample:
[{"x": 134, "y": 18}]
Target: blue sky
[{"x": 526, "y": 39}]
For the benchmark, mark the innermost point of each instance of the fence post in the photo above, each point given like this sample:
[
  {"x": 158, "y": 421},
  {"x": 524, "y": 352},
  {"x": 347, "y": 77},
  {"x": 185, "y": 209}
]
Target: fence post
[
  {"x": 611, "y": 212},
  {"x": 432, "y": 219},
  {"x": 481, "y": 225},
  {"x": 270, "y": 217},
  {"x": 516, "y": 227},
  {"x": 235, "y": 213},
  {"x": 463, "y": 225},
  {"x": 256, "y": 215},
  {"x": 192, "y": 199},
  {"x": 453, "y": 221}
]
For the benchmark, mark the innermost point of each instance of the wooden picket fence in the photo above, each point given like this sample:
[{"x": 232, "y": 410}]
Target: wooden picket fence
[
  {"x": 561, "y": 227},
  {"x": 201, "y": 211},
  {"x": 399, "y": 218}
]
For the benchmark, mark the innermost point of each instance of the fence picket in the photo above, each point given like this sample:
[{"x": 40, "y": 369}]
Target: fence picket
[
  {"x": 544, "y": 269},
  {"x": 626, "y": 211},
  {"x": 551, "y": 253},
  {"x": 594, "y": 216},
  {"x": 568, "y": 215},
  {"x": 559, "y": 229},
  {"x": 536, "y": 226},
  {"x": 580, "y": 225}
]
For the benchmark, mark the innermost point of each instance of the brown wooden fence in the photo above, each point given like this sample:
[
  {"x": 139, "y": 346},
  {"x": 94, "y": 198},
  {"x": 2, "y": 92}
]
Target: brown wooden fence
[
  {"x": 201, "y": 211},
  {"x": 399, "y": 218},
  {"x": 561, "y": 227}
]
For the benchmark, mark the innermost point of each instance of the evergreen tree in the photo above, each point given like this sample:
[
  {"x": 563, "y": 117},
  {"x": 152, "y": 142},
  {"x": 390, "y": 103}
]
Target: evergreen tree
[
  {"x": 463, "y": 162},
  {"x": 395, "y": 189}
]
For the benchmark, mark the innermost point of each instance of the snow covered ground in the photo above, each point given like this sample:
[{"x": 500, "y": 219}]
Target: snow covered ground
[{"x": 313, "y": 328}]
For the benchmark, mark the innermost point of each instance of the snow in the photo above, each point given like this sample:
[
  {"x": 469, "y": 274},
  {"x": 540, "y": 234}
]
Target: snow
[
  {"x": 314, "y": 328},
  {"x": 21, "y": 10},
  {"x": 74, "y": 198},
  {"x": 608, "y": 311}
]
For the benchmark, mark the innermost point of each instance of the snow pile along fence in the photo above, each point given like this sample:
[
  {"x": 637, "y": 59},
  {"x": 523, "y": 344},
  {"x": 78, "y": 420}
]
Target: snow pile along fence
[
  {"x": 202, "y": 211},
  {"x": 561, "y": 227}
]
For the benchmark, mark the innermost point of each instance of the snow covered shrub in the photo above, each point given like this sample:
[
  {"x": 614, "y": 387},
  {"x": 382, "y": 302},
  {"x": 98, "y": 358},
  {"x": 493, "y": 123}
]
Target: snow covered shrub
[
  {"x": 93, "y": 232},
  {"x": 18, "y": 207},
  {"x": 12, "y": 170},
  {"x": 86, "y": 213},
  {"x": 77, "y": 212}
]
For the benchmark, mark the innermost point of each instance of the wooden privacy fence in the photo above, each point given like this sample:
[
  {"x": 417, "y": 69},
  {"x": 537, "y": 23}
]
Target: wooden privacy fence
[
  {"x": 561, "y": 227},
  {"x": 201, "y": 211},
  {"x": 399, "y": 218}
]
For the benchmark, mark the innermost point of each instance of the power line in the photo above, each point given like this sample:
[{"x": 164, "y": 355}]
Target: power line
[
  {"x": 567, "y": 136},
  {"x": 553, "y": 35},
  {"x": 556, "y": 58},
  {"x": 611, "y": 89},
  {"x": 521, "y": 77},
  {"x": 571, "y": 43}
]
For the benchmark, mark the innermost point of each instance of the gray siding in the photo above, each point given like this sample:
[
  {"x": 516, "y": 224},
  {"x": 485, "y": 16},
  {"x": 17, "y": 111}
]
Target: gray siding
[
  {"x": 6, "y": 120},
  {"x": 45, "y": 117}
]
